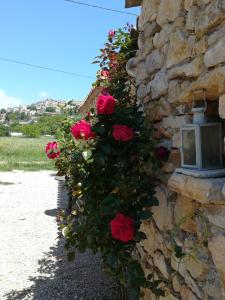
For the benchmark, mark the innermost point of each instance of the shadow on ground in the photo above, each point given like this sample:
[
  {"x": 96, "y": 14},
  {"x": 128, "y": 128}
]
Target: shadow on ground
[
  {"x": 6, "y": 183},
  {"x": 58, "y": 279}
]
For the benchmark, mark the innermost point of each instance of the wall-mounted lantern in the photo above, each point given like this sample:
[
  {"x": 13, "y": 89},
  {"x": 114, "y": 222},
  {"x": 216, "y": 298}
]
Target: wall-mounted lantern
[{"x": 201, "y": 147}]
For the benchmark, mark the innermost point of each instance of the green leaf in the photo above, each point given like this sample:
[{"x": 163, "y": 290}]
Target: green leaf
[
  {"x": 87, "y": 154},
  {"x": 106, "y": 148},
  {"x": 145, "y": 215},
  {"x": 66, "y": 231},
  {"x": 179, "y": 252},
  {"x": 153, "y": 201}
]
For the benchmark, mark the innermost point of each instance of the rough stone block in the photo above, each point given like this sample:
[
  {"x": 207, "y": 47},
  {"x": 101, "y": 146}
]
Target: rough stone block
[
  {"x": 211, "y": 84},
  {"x": 163, "y": 214},
  {"x": 179, "y": 48},
  {"x": 190, "y": 70},
  {"x": 154, "y": 61},
  {"x": 169, "y": 10},
  {"x": 141, "y": 41},
  {"x": 157, "y": 110},
  {"x": 216, "y": 54},
  {"x": 160, "y": 263},
  {"x": 162, "y": 37},
  {"x": 140, "y": 73},
  {"x": 200, "y": 47},
  {"x": 150, "y": 29},
  {"x": 131, "y": 66},
  {"x": 154, "y": 239},
  {"x": 217, "y": 249},
  {"x": 215, "y": 214},
  {"x": 210, "y": 17},
  {"x": 191, "y": 18},
  {"x": 168, "y": 168},
  {"x": 159, "y": 85},
  {"x": 142, "y": 91},
  {"x": 184, "y": 210},
  {"x": 215, "y": 36},
  {"x": 189, "y": 3},
  {"x": 187, "y": 294},
  {"x": 148, "y": 12},
  {"x": 212, "y": 286},
  {"x": 147, "y": 49},
  {"x": 176, "y": 122}
]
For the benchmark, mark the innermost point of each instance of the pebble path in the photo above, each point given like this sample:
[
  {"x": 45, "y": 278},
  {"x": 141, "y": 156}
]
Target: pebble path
[{"x": 32, "y": 258}]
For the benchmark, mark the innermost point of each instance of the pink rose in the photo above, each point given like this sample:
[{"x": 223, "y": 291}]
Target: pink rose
[
  {"x": 82, "y": 130},
  {"x": 111, "y": 33},
  {"x": 105, "y": 105},
  {"x": 52, "y": 150},
  {"x": 162, "y": 152},
  {"x": 105, "y": 73},
  {"x": 122, "y": 133},
  {"x": 122, "y": 228}
]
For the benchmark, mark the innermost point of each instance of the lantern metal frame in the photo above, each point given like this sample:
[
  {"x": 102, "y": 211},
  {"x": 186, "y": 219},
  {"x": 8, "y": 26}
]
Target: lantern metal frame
[{"x": 198, "y": 146}]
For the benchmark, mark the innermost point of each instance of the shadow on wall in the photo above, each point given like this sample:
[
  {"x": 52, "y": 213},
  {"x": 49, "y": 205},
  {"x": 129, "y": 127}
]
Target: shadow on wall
[{"x": 58, "y": 279}]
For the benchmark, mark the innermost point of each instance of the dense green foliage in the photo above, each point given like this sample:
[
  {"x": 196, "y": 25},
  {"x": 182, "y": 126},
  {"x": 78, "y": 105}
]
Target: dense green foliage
[
  {"x": 31, "y": 130},
  {"x": 106, "y": 176},
  {"x": 45, "y": 125},
  {"x": 4, "y": 131},
  {"x": 50, "y": 109}
]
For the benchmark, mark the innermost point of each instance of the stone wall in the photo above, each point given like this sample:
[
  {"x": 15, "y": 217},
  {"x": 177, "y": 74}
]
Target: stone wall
[{"x": 181, "y": 53}]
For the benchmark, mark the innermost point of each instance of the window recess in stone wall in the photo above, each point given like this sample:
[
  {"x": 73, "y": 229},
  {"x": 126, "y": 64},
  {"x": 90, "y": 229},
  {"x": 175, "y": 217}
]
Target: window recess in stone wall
[{"x": 202, "y": 145}]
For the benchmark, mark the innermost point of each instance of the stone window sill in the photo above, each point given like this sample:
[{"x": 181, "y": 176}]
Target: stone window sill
[{"x": 210, "y": 190}]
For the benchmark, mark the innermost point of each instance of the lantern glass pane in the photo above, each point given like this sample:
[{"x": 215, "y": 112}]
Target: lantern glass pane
[
  {"x": 211, "y": 150},
  {"x": 189, "y": 147}
]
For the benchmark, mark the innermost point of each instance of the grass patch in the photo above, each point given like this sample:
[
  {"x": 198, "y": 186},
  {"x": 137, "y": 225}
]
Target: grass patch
[{"x": 18, "y": 153}]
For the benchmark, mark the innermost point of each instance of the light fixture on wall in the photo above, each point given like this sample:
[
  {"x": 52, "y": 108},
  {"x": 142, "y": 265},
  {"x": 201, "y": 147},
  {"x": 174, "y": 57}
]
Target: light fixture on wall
[{"x": 201, "y": 146}]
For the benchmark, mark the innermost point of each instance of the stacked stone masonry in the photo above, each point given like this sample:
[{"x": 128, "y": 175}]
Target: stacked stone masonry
[{"x": 181, "y": 53}]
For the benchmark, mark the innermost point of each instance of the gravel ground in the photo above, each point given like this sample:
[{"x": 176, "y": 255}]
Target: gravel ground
[{"x": 32, "y": 261}]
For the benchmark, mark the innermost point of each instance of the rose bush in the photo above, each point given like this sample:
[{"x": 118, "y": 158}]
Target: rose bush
[{"x": 112, "y": 191}]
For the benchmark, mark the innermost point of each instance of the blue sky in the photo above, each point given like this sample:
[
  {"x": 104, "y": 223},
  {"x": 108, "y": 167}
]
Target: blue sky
[{"x": 57, "y": 34}]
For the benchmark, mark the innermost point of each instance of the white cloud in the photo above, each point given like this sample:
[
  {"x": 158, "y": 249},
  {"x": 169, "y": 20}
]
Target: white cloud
[
  {"x": 8, "y": 101},
  {"x": 43, "y": 94}
]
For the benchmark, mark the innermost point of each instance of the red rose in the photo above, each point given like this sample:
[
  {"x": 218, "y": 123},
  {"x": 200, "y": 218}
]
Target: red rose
[
  {"x": 105, "y": 105},
  {"x": 82, "y": 130},
  {"x": 52, "y": 150},
  {"x": 162, "y": 152},
  {"x": 122, "y": 228},
  {"x": 122, "y": 133}
]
